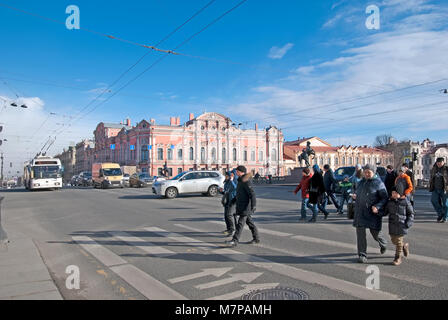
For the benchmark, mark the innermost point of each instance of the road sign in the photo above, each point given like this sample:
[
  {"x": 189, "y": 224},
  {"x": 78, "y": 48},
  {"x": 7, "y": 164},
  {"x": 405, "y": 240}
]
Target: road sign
[
  {"x": 112, "y": 147},
  {"x": 132, "y": 147}
]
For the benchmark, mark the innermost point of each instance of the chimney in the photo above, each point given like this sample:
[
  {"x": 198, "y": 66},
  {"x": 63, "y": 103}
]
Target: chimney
[
  {"x": 172, "y": 121},
  {"x": 128, "y": 122},
  {"x": 178, "y": 121},
  {"x": 153, "y": 121},
  {"x": 191, "y": 116},
  {"x": 256, "y": 127}
]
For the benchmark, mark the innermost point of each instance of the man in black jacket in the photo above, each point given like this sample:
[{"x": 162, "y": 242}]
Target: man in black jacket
[
  {"x": 391, "y": 176},
  {"x": 330, "y": 185},
  {"x": 245, "y": 206}
]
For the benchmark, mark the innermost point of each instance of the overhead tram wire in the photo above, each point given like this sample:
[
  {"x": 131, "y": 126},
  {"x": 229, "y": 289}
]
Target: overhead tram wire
[
  {"x": 381, "y": 113},
  {"x": 351, "y": 100},
  {"x": 144, "y": 56},
  {"x": 164, "y": 56}
]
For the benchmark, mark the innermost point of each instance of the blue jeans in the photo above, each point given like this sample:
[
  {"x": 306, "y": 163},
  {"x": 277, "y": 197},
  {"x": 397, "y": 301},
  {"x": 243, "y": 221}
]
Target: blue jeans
[
  {"x": 440, "y": 196},
  {"x": 325, "y": 202},
  {"x": 344, "y": 198},
  {"x": 306, "y": 204}
]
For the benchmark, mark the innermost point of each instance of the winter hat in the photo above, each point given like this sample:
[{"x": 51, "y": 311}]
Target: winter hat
[
  {"x": 241, "y": 169},
  {"x": 316, "y": 168},
  {"x": 346, "y": 176},
  {"x": 370, "y": 167},
  {"x": 358, "y": 167},
  {"x": 440, "y": 160}
]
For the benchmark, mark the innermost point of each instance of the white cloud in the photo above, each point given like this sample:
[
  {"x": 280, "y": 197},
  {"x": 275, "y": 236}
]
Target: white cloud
[
  {"x": 412, "y": 51},
  {"x": 279, "y": 53}
]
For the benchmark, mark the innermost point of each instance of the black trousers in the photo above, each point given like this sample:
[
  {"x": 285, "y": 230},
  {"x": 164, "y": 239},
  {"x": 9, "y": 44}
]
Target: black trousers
[
  {"x": 230, "y": 217},
  {"x": 242, "y": 221}
]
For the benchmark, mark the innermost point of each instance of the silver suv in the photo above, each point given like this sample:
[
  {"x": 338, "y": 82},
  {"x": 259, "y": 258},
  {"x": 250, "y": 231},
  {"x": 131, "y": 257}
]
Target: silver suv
[{"x": 205, "y": 182}]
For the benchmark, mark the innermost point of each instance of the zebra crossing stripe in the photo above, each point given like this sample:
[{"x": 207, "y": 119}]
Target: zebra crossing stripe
[
  {"x": 140, "y": 243},
  {"x": 335, "y": 284},
  {"x": 148, "y": 286}
]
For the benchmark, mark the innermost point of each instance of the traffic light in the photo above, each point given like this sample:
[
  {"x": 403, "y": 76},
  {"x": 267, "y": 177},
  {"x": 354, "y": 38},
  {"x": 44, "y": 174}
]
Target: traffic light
[{"x": 414, "y": 156}]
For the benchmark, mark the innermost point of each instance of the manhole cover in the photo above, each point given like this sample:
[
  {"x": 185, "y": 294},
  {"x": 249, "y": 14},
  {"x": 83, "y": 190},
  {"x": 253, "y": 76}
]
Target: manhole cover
[{"x": 278, "y": 293}]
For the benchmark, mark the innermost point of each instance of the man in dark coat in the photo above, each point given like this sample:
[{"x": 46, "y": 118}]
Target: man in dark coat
[
  {"x": 245, "y": 206},
  {"x": 316, "y": 189},
  {"x": 401, "y": 217},
  {"x": 438, "y": 186},
  {"x": 391, "y": 176},
  {"x": 371, "y": 197},
  {"x": 330, "y": 185}
]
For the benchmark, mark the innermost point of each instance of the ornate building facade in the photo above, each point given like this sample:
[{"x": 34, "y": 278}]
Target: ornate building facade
[{"x": 209, "y": 142}]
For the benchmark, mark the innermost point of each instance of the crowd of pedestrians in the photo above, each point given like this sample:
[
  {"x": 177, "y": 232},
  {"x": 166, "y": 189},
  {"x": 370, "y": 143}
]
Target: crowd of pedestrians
[{"x": 364, "y": 192}]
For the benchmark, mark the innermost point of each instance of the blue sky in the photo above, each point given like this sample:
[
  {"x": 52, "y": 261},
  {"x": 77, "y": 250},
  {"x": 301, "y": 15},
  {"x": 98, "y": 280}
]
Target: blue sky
[{"x": 294, "y": 57}]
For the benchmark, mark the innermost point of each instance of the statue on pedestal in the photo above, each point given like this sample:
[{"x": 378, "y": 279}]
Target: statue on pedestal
[{"x": 305, "y": 155}]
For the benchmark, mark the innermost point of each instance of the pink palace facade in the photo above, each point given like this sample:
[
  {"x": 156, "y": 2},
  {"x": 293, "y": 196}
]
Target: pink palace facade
[{"x": 209, "y": 142}]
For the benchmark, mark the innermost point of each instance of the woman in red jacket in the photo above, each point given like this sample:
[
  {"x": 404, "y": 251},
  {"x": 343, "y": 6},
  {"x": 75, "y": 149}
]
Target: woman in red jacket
[{"x": 304, "y": 186}]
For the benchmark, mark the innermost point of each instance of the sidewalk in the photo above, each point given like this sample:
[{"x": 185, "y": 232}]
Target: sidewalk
[{"x": 23, "y": 274}]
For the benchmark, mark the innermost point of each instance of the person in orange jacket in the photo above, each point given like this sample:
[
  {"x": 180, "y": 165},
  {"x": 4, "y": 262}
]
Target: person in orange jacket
[
  {"x": 404, "y": 186},
  {"x": 304, "y": 186}
]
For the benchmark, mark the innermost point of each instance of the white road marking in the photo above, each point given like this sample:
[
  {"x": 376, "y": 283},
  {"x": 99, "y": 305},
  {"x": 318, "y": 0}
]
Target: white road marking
[
  {"x": 247, "y": 288},
  {"x": 142, "y": 244},
  {"x": 217, "y": 272},
  {"x": 271, "y": 232},
  {"x": 107, "y": 257},
  {"x": 246, "y": 277},
  {"x": 335, "y": 284},
  {"x": 353, "y": 247},
  {"x": 179, "y": 238},
  {"x": 148, "y": 286}
]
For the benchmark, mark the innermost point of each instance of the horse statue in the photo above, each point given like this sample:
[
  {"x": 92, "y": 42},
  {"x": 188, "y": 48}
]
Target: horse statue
[{"x": 305, "y": 155}]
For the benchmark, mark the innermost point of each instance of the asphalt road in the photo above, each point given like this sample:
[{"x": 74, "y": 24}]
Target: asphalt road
[{"x": 130, "y": 244}]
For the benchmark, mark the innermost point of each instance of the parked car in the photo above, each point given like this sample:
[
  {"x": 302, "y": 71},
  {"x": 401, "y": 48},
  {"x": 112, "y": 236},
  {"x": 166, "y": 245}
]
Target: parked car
[
  {"x": 74, "y": 182},
  {"x": 126, "y": 177},
  {"x": 85, "y": 179},
  {"x": 205, "y": 182},
  {"x": 140, "y": 180}
]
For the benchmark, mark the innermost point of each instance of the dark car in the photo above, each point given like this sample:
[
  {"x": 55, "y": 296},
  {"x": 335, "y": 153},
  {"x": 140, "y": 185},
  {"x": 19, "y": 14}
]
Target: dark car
[
  {"x": 340, "y": 173},
  {"x": 140, "y": 180},
  {"x": 85, "y": 179}
]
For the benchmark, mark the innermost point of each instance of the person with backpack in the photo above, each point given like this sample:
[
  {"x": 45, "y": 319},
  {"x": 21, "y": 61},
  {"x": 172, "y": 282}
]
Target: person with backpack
[
  {"x": 411, "y": 176},
  {"x": 228, "y": 202},
  {"x": 304, "y": 186},
  {"x": 245, "y": 206}
]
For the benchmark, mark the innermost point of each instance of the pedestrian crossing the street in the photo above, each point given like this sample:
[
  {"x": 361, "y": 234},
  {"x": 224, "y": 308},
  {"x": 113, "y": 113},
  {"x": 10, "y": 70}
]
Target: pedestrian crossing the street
[{"x": 192, "y": 262}]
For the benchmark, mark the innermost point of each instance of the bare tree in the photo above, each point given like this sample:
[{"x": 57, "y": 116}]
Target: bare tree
[{"x": 382, "y": 140}]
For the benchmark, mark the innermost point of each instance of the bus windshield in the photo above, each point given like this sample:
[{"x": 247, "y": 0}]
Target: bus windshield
[
  {"x": 112, "y": 172},
  {"x": 47, "y": 172}
]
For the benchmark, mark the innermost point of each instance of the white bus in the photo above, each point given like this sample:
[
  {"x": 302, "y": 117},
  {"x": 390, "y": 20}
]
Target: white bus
[{"x": 43, "y": 173}]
